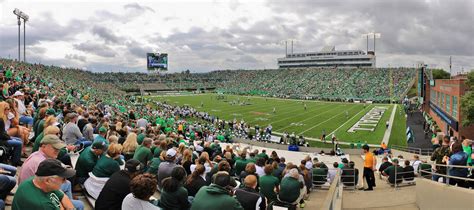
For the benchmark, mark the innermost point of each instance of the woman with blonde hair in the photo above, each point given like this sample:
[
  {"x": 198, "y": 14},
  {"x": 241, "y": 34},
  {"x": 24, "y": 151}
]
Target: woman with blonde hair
[
  {"x": 187, "y": 161},
  {"x": 130, "y": 145},
  {"x": 180, "y": 151},
  {"x": 12, "y": 120},
  {"x": 113, "y": 139}
]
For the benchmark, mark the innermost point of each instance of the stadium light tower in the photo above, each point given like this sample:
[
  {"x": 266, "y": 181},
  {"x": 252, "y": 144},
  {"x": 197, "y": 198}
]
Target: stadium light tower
[
  {"x": 371, "y": 35},
  {"x": 21, "y": 15},
  {"x": 286, "y": 41}
]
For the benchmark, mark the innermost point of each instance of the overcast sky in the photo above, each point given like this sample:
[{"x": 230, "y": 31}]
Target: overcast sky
[{"x": 205, "y": 35}]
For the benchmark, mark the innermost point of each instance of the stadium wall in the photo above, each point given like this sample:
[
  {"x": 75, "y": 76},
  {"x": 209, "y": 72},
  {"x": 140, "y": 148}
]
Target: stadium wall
[{"x": 434, "y": 195}]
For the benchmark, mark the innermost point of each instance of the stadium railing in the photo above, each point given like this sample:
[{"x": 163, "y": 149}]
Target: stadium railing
[
  {"x": 416, "y": 150},
  {"x": 352, "y": 181},
  {"x": 402, "y": 180},
  {"x": 446, "y": 177},
  {"x": 333, "y": 200}
]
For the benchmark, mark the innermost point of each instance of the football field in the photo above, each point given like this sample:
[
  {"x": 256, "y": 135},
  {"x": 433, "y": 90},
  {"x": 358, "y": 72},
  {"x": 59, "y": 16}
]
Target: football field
[{"x": 286, "y": 115}]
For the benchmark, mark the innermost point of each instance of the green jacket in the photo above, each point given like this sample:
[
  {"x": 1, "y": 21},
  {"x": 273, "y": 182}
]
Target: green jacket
[
  {"x": 214, "y": 197},
  {"x": 86, "y": 162}
]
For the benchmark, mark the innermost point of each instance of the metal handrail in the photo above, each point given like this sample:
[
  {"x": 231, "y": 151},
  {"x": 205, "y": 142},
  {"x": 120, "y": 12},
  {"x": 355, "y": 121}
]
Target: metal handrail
[
  {"x": 354, "y": 184},
  {"x": 446, "y": 176},
  {"x": 333, "y": 200},
  {"x": 417, "y": 150},
  {"x": 396, "y": 184}
]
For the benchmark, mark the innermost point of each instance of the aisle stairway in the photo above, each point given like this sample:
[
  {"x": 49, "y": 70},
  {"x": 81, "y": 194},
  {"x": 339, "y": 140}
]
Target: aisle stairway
[{"x": 383, "y": 197}]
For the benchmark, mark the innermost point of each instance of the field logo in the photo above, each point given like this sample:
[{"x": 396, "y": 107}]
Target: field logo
[
  {"x": 235, "y": 114},
  {"x": 261, "y": 119},
  {"x": 297, "y": 124},
  {"x": 370, "y": 120}
]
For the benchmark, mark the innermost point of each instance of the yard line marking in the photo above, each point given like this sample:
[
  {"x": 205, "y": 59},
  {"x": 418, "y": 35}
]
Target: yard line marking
[
  {"x": 296, "y": 110},
  {"x": 309, "y": 118},
  {"x": 325, "y": 121}
]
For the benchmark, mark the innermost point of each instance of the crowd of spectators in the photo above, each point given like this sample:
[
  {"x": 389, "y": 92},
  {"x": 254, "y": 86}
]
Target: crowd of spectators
[
  {"x": 380, "y": 85},
  {"x": 128, "y": 151}
]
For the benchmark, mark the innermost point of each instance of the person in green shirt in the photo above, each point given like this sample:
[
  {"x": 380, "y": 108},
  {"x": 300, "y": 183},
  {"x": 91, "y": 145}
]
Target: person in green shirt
[
  {"x": 269, "y": 184},
  {"x": 263, "y": 155},
  {"x": 290, "y": 187},
  {"x": 394, "y": 171},
  {"x": 101, "y": 137},
  {"x": 54, "y": 130},
  {"x": 468, "y": 150},
  {"x": 241, "y": 163},
  {"x": 42, "y": 191},
  {"x": 109, "y": 163},
  {"x": 88, "y": 159},
  {"x": 319, "y": 174},
  {"x": 143, "y": 152},
  {"x": 140, "y": 137},
  {"x": 216, "y": 196}
]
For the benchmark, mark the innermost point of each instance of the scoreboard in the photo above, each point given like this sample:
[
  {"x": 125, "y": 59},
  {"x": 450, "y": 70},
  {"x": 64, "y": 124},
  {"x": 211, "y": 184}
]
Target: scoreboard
[{"x": 157, "y": 61}]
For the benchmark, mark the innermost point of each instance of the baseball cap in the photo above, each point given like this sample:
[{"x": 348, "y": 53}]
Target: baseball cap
[
  {"x": 54, "y": 141},
  {"x": 102, "y": 130},
  {"x": 50, "y": 111},
  {"x": 133, "y": 165},
  {"x": 54, "y": 167},
  {"x": 99, "y": 145},
  {"x": 344, "y": 160},
  {"x": 18, "y": 93},
  {"x": 394, "y": 160},
  {"x": 171, "y": 152}
]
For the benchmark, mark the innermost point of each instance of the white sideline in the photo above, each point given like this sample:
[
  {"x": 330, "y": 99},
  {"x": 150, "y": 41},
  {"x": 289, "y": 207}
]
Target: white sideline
[{"x": 388, "y": 131}]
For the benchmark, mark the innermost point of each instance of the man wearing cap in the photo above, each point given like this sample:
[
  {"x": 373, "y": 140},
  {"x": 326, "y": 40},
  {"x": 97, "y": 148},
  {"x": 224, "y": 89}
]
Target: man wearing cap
[
  {"x": 143, "y": 152},
  {"x": 118, "y": 186},
  {"x": 49, "y": 149},
  {"x": 166, "y": 167},
  {"x": 43, "y": 190},
  {"x": 24, "y": 118},
  {"x": 101, "y": 136},
  {"x": 50, "y": 146},
  {"x": 88, "y": 159}
]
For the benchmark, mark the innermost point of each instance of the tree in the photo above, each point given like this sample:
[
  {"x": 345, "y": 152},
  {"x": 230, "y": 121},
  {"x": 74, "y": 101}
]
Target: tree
[
  {"x": 467, "y": 102},
  {"x": 440, "y": 74}
]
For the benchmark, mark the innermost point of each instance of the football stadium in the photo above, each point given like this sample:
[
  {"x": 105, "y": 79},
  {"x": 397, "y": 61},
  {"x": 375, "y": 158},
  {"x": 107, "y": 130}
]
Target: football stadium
[{"x": 192, "y": 105}]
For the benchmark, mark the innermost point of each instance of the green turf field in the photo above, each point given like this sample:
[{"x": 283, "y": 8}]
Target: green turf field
[{"x": 290, "y": 115}]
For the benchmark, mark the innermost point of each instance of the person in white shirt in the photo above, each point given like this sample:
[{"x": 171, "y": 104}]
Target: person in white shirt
[
  {"x": 332, "y": 172},
  {"x": 25, "y": 118},
  {"x": 416, "y": 163}
]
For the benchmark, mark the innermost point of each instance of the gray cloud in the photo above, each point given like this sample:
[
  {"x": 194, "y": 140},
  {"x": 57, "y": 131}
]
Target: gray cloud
[
  {"x": 76, "y": 57},
  {"x": 407, "y": 27},
  {"x": 106, "y": 34},
  {"x": 135, "y": 6},
  {"x": 95, "y": 48}
]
